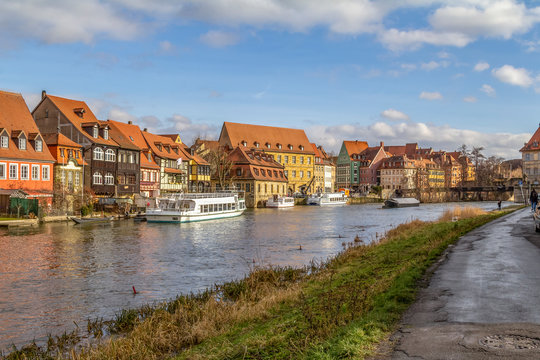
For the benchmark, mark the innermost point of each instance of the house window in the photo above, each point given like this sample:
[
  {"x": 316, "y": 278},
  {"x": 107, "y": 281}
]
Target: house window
[
  {"x": 279, "y": 158},
  {"x": 95, "y": 132},
  {"x": 13, "y": 172},
  {"x": 309, "y": 174},
  {"x": 131, "y": 159},
  {"x": 77, "y": 178},
  {"x": 294, "y": 173},
  {"x": 268, "y": 145},
  {"x": 290, "y": 147},
  {"x": 286, "y": 172},
  {"x": 70, "y": 153},
  {"x": 301, "y": 174},
  {"x": 3, "y": 171},
  {"x": 106, "y": 134},
  {"x": 244, "y": 143},
  {"x": 109, "y": 179},
  {"x": 309, "y": 160},
  {"x": 110, "y": 155},
  {"x": 238, "y": 172},
  {"x": 98, "y": 154},
  {"x": 76, "y": 154},
  {"x": 62, "y": 154},
  {"x": 22, "y": 143},
  {"x": 286, "y": 159},
  {"x": 301, "y": 148},
  {"x": 35, "y": 172},
  {"x": 4, "y": 141},
  {"x": 279, "y": 146},
  {"x": 45, "y": 173},
  {"x": 294, "y": 159},
  {"x": 97, "y": 179},
  {"x": 301, "y": 159},
  {"x": 39, "y": 145}
]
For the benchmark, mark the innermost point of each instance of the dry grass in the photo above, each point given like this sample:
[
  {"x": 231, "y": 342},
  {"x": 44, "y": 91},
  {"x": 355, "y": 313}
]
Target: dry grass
[{"x": 459, "y": 213}]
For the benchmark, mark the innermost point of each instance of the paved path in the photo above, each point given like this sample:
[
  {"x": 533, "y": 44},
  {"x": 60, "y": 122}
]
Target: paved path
[{"x": 483, "y": 302}]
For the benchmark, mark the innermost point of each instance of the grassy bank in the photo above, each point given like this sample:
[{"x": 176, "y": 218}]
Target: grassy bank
[{"x": 338, "y": 309}]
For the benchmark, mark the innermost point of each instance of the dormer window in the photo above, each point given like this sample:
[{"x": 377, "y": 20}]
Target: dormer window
[
  {"x": 131, "y": 138},
  {"x": 95, "y": 132},
  {"x": 38, "y": 145},
  {"x": 22, "y": 143},
  {"x": 290, "y": 146},
  {"x": 256, "y": 144},
  {"x": 106, "y": 134},
  {"x": 4, "y": 141},
  {"x": 268, "y": 145},
  {"x": 244, "y": 143},
  {"x": 302, "y": 147},
  {"x": 279, "y": 146},
  {"x": 79, "y": 112}
]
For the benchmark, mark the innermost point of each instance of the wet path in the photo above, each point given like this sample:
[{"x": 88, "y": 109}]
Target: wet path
[{"x": 483, "y": 301}]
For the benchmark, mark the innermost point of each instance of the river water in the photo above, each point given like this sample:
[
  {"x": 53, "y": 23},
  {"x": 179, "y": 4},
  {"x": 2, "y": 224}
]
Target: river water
[{"x": 59, "y": 274}]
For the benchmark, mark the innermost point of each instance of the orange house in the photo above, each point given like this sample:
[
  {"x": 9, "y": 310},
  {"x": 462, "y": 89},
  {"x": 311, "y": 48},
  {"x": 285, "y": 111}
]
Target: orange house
[{"x": 25, "y": 161}]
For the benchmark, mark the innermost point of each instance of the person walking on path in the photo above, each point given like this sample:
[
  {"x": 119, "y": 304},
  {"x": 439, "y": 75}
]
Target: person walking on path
[{"x": 534, "y": 199}]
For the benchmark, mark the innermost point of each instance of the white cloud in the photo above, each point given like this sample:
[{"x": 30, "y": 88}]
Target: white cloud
[
  {"x": 393, "y": 114},
  {"x": 166, "y": 47},
  {"x": 470, "y": 99},
  {"x": 513, "y": 76},
  {"x": 408, "y": 67},
  {"x": 398, "y": 40},
  {"x": 430, "y": 65},
  {"x": 64, "y": 21},
  {"x": 481, "y": 66},
  {"x": 219, "y": 39},
  {"x": 439, "y": 137},
  {"x": 488, "y": 90},
  {"x": 443, "y": 54},
  {"x": 502, "y": 18},
  {"x": 430, "y": 95}
]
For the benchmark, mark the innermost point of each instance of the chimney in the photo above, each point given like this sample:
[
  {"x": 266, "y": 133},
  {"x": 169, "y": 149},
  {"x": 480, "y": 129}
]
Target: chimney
[
  {"x": 382, "y": 143},
  {"x": 43, "y": 94},
  {"x": 145, "y": 129},
  {"x": 130, "y": 122}
]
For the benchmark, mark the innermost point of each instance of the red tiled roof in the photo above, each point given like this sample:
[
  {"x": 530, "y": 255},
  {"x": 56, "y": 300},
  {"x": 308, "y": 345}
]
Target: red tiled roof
[
  {"x": 15, "y": 116},
  {"x": 355, "y": 147},
  {"x": 60, "y": 139},
  {"x": 533, "y": 143},
  {"x": 68, "y": 108},
  {"x": 268, "y": 137},
  {"x": 117, "y": 132},
  {"x": 153, "y": 139},
  {"x": 256, "y": 165}
]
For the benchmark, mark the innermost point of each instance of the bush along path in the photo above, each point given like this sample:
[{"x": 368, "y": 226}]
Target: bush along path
[{"x": 334, "y": 310}]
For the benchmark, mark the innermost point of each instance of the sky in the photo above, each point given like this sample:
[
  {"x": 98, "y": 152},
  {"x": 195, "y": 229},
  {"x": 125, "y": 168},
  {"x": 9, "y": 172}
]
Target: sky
[{"x": 439, "y": 73}]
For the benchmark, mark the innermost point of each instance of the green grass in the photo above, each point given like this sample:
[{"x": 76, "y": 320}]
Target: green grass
[
  {"x": 340, "y": 309},
  {"x": 349, "y": 307}
]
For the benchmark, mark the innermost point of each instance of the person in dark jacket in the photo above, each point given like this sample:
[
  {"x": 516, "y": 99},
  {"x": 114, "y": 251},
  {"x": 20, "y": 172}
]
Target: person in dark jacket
[{"x": 534, "y": 200}]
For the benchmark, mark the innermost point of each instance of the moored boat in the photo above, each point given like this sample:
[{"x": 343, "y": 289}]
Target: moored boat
[
  {"x": 91, "y": 220},
  {"x": 401, "y": 202},
  {"x": 327, "y": 199},
  {"x": 182, "y": 208},
  {"x": 280, "y": 202}
]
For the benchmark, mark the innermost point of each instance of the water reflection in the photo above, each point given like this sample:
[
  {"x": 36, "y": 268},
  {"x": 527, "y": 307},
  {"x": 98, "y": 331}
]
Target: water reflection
[{"x": 58, "y": 274}]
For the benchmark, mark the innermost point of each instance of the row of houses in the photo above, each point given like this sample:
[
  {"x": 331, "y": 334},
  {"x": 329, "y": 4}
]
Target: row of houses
[
  {"x": 61, "y": 152},
  {"x": 406, "y": 167}
]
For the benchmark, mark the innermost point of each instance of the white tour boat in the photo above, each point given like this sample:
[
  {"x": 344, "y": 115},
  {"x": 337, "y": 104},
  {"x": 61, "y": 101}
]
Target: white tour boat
[
  {"x": 327, "y": 199},
  {"x": 280, "y": 202},
  {"x": 182, "y": 208}
]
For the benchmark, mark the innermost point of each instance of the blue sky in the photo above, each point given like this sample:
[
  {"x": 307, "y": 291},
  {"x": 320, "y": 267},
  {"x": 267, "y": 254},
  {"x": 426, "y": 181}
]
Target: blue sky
[{"x": 440, "y": 73}]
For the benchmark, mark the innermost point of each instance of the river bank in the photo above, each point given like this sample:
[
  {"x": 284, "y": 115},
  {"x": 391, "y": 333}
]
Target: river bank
[{"x": 338, "y": 308}]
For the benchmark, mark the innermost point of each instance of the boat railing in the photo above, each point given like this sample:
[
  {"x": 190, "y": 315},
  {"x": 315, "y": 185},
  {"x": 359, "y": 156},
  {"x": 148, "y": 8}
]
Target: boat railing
[{"x": 191, "y": 196}]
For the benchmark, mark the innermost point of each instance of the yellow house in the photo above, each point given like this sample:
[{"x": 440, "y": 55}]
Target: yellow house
[{"x": 289, "y": 147}]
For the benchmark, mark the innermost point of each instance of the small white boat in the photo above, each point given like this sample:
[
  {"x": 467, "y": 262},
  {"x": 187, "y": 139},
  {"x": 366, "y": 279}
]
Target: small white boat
[
  {"x": 400, "y": 202},
  {"x": 327, "y": 199},
  {"x": 183, "y": 208},
  {"x": 91, "y": 220},
  {"x": 280, "y": 202}
]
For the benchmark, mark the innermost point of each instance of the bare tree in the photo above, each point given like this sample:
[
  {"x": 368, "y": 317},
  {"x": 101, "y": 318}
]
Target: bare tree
[
  {"x": 477, "y": 156},
  {"x": 220, "y": 166},
  {"x": 463, "y": 160}
]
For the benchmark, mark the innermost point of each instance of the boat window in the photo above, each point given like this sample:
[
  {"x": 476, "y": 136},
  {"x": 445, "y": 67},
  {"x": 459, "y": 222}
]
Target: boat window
[{"x": 220, "y": 207}]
